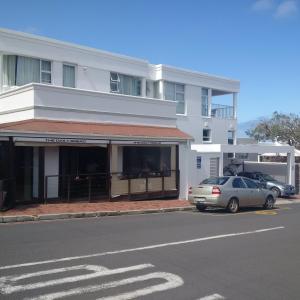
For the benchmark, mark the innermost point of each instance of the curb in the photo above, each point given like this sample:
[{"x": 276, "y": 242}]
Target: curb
[
  {"x": 63, "y": 216},
  {"x": 95, "y": 214}
]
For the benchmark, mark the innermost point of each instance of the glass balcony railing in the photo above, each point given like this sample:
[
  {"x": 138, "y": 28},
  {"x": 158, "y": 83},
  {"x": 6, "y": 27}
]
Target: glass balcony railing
[{"x": 222, "y": 111}]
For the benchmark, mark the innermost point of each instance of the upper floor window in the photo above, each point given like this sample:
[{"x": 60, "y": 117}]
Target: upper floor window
[
  {"x": 206, "y": 135},
  {"x": 230, "y": 134},
  {"x": 175, "y": 92},
  {"x": 125, "y": 84},
  {"x": 68, "y": 75},
  {"x": 204, "y": 100},
  {"x": 20, "y": 70}
]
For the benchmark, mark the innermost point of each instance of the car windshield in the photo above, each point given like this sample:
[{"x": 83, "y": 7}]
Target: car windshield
[
  {"x": 215, "y": 180},
  {"x": 267, "y": 177}
]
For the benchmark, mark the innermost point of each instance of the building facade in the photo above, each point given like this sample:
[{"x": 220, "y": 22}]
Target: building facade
[{"x": 77, "y": 122}]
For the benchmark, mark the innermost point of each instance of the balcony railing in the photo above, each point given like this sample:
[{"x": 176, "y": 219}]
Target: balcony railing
[{"x": 222, "y": 111}]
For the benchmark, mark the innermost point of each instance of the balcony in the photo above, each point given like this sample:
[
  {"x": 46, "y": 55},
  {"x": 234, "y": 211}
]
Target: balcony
[
  {"x": 39, "y": 101},
  {"x": 222, "y": 111}
]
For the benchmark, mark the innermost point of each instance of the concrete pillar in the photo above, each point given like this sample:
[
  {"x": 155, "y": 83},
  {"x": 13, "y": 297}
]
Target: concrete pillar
[
  {"x": 291, "y": 167},
  {"x": 57, "y": 73},
  {"x": 221, "y": 164},
  {"x": 234, "y": 104},
  {"x": 184, "y": 150},
  {"x": 1, "y": 72},
  {"x": 52, "y": 168},
  {"x": 209, "y": 101},
  {"x": 161, "y": 89},
  {"x": 143, "y": 87}
]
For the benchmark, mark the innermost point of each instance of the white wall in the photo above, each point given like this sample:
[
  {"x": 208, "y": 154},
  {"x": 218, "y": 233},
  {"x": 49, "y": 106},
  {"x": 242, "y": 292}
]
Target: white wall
[
  {"x": 89, "y": 78},
  {"x": 193, "y": 122},
  {"x": 197, "y": 175},
  {"x": 58, "y": 103},
  {"x": 184, "y": 151},
  {"x": 277, "y": 170}
]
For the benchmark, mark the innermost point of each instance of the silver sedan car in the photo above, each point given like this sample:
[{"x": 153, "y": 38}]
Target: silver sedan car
[{"x": 231, "y": 192}]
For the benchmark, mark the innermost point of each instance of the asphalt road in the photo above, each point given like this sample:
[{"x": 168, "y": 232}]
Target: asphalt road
[{"x": 182, "y": 255}]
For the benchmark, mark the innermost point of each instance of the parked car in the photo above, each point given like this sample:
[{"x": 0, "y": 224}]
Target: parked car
[
  {"x": 230, "y": 192},
  {"x": 279, "y": 188}
]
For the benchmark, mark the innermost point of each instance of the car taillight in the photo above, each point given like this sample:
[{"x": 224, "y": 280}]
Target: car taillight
[
  {"x": 216, "y": 191},
  {"x": 190, "y": 190}
]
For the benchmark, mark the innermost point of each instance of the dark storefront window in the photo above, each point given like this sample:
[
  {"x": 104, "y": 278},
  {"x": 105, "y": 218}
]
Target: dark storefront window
[
  {"x": 83, "y": 172},
  {"x": 146, "y": 161}
]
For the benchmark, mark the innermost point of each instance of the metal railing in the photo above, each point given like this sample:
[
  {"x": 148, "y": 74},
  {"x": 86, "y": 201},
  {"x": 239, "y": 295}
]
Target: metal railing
[
  {"x": 76, "y": 186},
  {"x": 222, "y": 111},
  {"x": 6, "y": 191},
  {"x": 145, "y": 185},
  {"x": 139, "y": 185}
]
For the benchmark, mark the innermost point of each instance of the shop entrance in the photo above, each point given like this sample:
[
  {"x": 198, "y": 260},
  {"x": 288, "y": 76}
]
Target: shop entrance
[
  {"x": 24, "y": 174},
  {"x": 84, "y": 173}
]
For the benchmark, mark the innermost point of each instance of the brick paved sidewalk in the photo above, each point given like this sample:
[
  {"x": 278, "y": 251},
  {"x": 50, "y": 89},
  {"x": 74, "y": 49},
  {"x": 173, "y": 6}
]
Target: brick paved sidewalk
[{"x": 104, "y": 206}]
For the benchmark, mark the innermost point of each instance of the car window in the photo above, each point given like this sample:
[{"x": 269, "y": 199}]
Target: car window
[
  {"x": 215, "y": 180},
  {"x": 250, "y": 184},
  {"x": 238, "y": 183},
  {"x": 267, "y": 177}
]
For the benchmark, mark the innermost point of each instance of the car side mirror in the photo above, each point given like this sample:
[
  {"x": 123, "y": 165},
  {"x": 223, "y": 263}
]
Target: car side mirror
[{"x": 261, "y": 185}]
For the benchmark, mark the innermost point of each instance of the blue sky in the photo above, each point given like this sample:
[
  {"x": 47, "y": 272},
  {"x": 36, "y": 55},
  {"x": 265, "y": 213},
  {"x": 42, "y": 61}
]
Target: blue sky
[{"x": 257, "y": 42}]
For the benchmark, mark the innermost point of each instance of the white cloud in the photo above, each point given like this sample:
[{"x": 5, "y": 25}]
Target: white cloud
[
  {"x": 286, "y": 9},
  {"x": 263, "y": 5}
]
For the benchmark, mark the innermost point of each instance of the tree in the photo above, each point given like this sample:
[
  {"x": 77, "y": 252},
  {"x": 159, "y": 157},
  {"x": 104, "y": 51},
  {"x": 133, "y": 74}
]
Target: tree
[{"x": 283, "y": 128}]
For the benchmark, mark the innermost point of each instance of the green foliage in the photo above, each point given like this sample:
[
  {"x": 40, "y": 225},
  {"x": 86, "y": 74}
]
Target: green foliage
[{"x": 281, "y": 127}]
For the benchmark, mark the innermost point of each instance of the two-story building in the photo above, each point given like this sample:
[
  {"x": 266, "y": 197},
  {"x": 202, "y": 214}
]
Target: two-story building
[{"x": 78, "y": 123}]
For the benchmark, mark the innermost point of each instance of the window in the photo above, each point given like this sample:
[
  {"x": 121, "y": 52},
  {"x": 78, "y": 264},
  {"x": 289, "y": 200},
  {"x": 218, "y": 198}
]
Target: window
[
  {"x": 175, "y": 92},
  {"x": 156, "y": 89},
  {"x": 125, "y": 84},
  {"x": 206, "y": 135},
  {"x": 250, "y": 184},
  {"x": 114, "y": 82},
  {"x": 241, "y": 155},
  {"x": 215, "y": 180},
  {"x": 238, "y": 183},
  {"x": 45, "y": 71},
  {"x": 230, "y": 137},
  {"x": 20, "y": 70},
  {"x": 198, "y": 162},
  {"x": 69, "y": 76},
  {"x": 204, "y": 99},
  {"x": 146, "y": 161}
]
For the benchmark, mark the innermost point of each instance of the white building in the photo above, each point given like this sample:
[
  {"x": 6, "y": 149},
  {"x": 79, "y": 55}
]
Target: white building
[{"x": 78, "y": 122}]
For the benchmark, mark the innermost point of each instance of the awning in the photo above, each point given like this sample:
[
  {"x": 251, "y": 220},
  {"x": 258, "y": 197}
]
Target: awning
[
  {"x": 40, "y": 128},
  {"x": 251, "y": 148}
]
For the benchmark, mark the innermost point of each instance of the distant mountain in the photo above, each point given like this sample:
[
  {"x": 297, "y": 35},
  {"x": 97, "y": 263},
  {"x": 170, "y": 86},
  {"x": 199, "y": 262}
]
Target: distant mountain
[{"x": 243, "y": 126}]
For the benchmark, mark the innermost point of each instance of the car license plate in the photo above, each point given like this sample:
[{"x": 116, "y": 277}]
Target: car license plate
[{"x": 200, "y": 199}]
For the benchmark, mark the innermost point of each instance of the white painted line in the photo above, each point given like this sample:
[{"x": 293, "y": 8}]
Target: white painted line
[
  {"x": 155, "y": 246},
  {"x": 213, "y": 297},
  {"x": 7, "y": 287},
  {"x": 172, "y": 281}
]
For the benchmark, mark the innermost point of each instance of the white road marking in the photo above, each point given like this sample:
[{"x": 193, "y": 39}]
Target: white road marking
[
  {"x": 6, "y": 286},
  {"x": 172, "y": 281},
  {"x": 213, "y": 297},
  {"x": 155, "y": 246}
]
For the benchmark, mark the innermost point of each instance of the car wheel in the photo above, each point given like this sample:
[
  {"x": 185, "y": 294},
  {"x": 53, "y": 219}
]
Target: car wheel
[
  {"x": 269, "y": 204},
  {"x": 233, "y": 206},
  {"x": 276, "y": 191},
  {"x": 201, "y": 207}
]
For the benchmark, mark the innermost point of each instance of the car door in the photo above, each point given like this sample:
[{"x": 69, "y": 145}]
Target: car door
[
  {"x": 239, "y": 190},
  {"x": 254, "y": 192}
]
